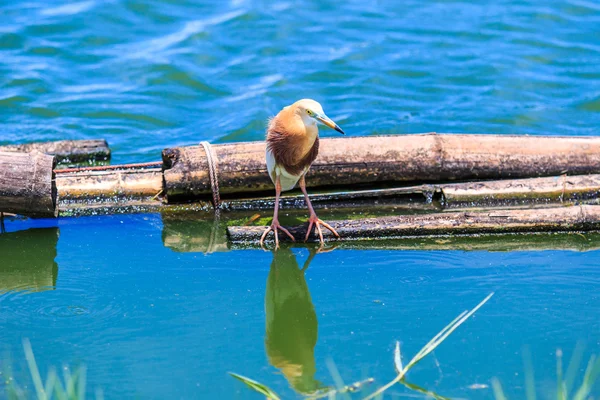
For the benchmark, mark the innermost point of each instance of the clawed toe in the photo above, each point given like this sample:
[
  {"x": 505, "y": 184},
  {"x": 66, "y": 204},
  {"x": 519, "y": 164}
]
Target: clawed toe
[
  {"x": 275, "y": 227},
  {"x": 317, "y": 222}
]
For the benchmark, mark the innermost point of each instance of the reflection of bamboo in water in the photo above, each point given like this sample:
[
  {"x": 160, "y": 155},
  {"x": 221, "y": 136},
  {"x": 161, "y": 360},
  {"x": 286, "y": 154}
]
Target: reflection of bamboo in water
[
  {"x": 291, "y": 322},
  {"x": 183, "y": 233},
  {"x": 27, "y": 261}
]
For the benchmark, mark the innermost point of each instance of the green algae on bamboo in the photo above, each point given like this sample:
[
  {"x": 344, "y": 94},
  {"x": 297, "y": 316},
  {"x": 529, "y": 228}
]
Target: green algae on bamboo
[{"x": 557, "y": 219}]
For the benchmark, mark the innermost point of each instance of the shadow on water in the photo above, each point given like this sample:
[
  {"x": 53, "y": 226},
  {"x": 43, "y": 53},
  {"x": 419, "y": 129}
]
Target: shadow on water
[
  {"x": 291, "y": 321},
  {"x": 27, "y": 260}
]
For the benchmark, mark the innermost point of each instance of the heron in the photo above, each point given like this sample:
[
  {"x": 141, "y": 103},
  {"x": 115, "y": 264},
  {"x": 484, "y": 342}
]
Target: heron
[{"x": 292, "y": 146}]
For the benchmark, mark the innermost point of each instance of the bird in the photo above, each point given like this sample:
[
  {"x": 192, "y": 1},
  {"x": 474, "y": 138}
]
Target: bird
[{"x": 292, "y": 145}]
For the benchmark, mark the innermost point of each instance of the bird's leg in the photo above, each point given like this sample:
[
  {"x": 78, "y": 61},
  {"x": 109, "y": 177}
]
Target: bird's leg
[
  {"x": 313, "y": 219},
  {"x": 275, "y": 223}
]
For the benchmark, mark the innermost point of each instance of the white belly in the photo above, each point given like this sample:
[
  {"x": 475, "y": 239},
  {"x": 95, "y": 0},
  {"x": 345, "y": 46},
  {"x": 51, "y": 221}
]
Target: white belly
[{"x": 287, "y": 180}]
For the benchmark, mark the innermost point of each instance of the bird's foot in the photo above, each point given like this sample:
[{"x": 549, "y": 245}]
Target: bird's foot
[
  {"x": 274, "y": 227},
  {"x": 317, "y": 222}
]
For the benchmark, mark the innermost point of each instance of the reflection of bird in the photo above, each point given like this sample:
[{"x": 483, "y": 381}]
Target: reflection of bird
[
  {"x": 291, "y": 322},
  {"x": 292, "y": 146}
]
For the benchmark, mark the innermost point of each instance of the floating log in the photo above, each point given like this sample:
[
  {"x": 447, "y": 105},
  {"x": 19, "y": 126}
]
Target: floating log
[
  {"x": 186, "y": 233},
  {"x": 507, "y": 242},
  {"x": 379, "y": 159},
  {"x": 28, "y": 260},
  {"x": 127, "y": 188},
  {"x": 410, "y": 198},
  {"x": 27, "y": 185},
  {"x": 131, "y": 180},
  {"x": 508, "y": 192},
  {"x": 575, "y": 218},
  {"x": 66, "y": 151},
  {"x": 557, "y": 189}
]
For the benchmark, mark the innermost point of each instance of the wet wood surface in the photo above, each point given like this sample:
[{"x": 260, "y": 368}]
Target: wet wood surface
[
  {"x": 508, "y": 242},
  {"x": 556, "y": 219},
  {"x": 27, "y": 185},
  {"x": 378, "y": 159},
  {"x": 186, "y": 234},
  {"x": 556, "y": 189},
  {"x": 67, "y": 151},
  {"x": 132, "y": 180}
]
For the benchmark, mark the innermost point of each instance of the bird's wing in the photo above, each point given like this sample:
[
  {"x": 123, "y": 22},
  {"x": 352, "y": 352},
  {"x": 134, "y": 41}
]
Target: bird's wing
[
  {"x": 288, "y": 181},
  {"x": 271, "y": 165}
]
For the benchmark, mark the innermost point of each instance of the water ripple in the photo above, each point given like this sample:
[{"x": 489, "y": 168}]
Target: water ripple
[{"x": 183, "y": 71}]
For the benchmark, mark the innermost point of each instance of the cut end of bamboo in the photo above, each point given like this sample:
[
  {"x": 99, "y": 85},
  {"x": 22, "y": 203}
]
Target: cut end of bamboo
[
  {"x": 67, "y": 151},
  {"x": 28, "y": 185}
]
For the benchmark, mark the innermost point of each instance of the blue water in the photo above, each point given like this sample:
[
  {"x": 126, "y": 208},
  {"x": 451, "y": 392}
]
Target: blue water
[
  {"x": 149, "y": 74},
  {"x": 153, "y": 323}
]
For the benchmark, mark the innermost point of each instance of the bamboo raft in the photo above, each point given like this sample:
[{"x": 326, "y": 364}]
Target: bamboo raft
[{"x": 436, "y": 176}]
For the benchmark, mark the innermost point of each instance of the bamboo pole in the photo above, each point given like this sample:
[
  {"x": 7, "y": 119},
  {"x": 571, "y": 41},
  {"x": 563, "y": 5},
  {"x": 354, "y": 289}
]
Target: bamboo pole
[
  {"x": 131, "y": 180},
  {"x": 378, "y": 159},
  {"x": 27, "y": 184},
  {"x": 557, "y": 189},
  {"x": 110, "y": 189},
  {"x": 185, "y": 233},
  {"x": 575, "y": 218},
  {"x": 66, "y": 151},
  {"x": 498, "y": 193},
  {"x": 28, "y": 260},
  {"x": 411, "y": 198},
  {"x": 508, "y": 242}
]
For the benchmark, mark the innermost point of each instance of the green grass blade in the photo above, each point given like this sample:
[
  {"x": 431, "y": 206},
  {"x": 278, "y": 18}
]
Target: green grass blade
[
  {"x": 256, "y": 386},
  {"x": 68, "y": 378},
  {"x": 50, "y": 382},
  {"x": 497, "y": 388},
  {"x": 398, "y": 358},
  {"x": 421, "y": 390},
  {"x": 59, "y": 390},
  {"x": 81, "y": 380},
  {"x": 337, "y": 380},
  {"x": 33, "y": 369},
  {"x": 330, "y": 391},
  {"x": 529, "y": 375},
  {"x": 441, "y": 333},
  {"x": 429, "y": 347},
  {"x": 576, "y": 359},
  {"x": 560, "y": 384},
  {"x": 591, "y": 375}
]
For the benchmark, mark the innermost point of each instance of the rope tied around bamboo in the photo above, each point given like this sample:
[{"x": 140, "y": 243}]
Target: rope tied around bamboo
[{"x": 213, "y": 174}]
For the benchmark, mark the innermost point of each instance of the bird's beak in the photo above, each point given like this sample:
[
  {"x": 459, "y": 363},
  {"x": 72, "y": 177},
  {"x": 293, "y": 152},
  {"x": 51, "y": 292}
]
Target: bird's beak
[{"x": 327, "y": 121}]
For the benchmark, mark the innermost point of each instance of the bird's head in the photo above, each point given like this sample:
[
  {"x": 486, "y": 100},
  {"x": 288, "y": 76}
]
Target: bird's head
[{"x": 311, "y": 112}]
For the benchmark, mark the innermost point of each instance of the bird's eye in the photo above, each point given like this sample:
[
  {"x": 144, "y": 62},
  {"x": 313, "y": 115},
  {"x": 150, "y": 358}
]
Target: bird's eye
[{"x": 309, "y": 112}]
